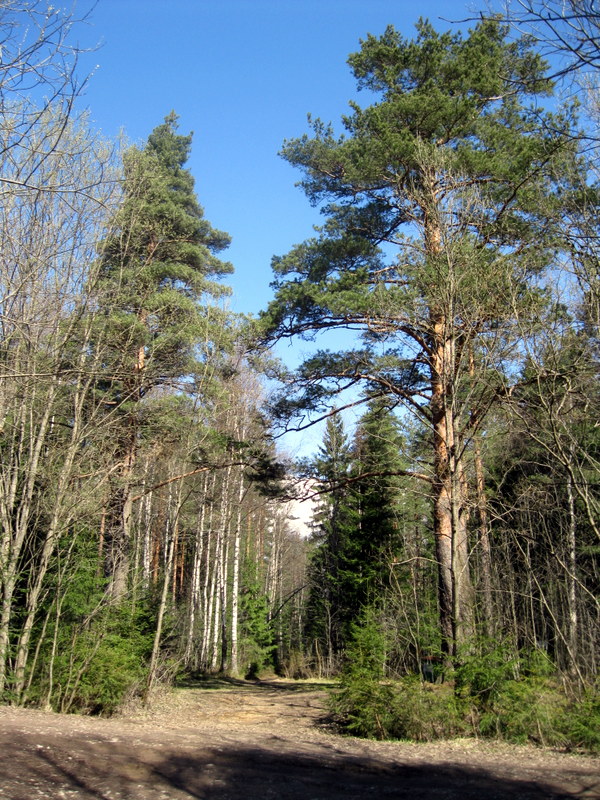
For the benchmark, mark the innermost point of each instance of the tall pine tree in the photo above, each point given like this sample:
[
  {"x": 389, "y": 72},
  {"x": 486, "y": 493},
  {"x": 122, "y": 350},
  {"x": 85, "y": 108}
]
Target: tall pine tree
[
  {"x": 158, "y": 273},
  {"x": 437, "y": 200}
]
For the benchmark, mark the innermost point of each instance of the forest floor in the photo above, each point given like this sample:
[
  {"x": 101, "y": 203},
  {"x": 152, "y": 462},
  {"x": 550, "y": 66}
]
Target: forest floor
[{"x": 239, "y": 740}]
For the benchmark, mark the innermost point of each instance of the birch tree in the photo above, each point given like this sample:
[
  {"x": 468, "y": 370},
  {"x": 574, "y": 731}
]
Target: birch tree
[{"x": 47, "y": 378}]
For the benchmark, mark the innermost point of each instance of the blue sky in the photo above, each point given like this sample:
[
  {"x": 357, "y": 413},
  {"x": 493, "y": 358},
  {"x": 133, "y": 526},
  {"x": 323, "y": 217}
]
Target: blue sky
[{"x": 243, "y": 75}]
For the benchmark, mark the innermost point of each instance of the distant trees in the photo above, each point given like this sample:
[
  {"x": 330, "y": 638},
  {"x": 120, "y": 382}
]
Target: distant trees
[
  {"x": 135, "y": 460},
  {"x": 47, "y": 382},
  {"x": 464, "y": 248},
  {"x": 329, "y": 604},
  {"x": 377, "y": 471},
  {"x": 56, "y": 181},
  {"x": 357, "y": 535},
  {"x": 555, "y": 409}
]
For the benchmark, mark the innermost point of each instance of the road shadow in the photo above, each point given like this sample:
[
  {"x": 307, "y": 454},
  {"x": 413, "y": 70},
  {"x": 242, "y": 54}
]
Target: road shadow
[
  {"x": 254, "y": 773},
  {"x": 101, "y": 769}
]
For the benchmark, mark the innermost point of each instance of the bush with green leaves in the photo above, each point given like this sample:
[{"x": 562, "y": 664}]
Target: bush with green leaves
[
  {"x": 100, "y": 660},
  {"x": 493, "y": 693}
]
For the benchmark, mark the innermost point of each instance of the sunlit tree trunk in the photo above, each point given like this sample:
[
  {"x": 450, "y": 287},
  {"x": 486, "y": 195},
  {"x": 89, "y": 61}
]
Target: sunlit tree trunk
[
  {"x": 235, "y": 576},
  {"x": 195, "y": 594},
  {"x": 172, "y": 526}
]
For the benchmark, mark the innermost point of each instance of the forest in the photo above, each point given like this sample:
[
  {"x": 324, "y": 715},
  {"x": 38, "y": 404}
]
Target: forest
[{"x": 449, "y": 580}]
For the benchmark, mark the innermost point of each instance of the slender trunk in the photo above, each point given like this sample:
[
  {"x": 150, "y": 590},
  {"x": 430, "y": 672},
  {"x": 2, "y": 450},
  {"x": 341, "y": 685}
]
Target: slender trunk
[
  {"x": 60, "y": 520},
  {"x": 208, "y": 589},
  {"x": 571, "y": 578},
  {"x": 139, "y": 570},
  {"x": 484, "y": 542},
  {"x": 172, "y": 529},
  {"x": 223, "y": 593},
  {"x": 146, "y": 539},
  {"x": 118, "y": 540},
  {"x": 118, "y": 527},
  {"x": 16, "y": 512},
  {"x": 223, "y": 567},
  {"x": 175, "y": 557},
  {"x": 194, "y": 598},
  {"x": 214, "y": 654},
  {"x": 464, "y": 598},
  {"x": 235, "y": 581}
]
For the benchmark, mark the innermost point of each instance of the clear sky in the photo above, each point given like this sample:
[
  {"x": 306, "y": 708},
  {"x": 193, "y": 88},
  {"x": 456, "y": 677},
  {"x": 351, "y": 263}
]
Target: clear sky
[{"x": 241, "y": 74}]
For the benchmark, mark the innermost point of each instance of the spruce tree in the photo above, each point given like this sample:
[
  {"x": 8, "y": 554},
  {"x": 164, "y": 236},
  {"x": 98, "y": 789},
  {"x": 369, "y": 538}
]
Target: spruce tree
[
  {"x": 329, "y": 604},
  {"x": 357, "y": 534},
  {"x": 377, "y": 467}
]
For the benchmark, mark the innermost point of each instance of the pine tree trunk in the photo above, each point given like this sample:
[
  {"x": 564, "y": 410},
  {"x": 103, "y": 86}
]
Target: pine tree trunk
[{"x": 455, "y": 592}]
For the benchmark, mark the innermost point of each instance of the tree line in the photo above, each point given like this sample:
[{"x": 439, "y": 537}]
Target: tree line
[
  {"x": 145, "y": 529},
  {"x": 141, "y": 531}
]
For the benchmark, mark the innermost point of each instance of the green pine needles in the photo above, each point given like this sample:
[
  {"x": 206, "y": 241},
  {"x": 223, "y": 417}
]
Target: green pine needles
[{"x": 159, "y": 265}]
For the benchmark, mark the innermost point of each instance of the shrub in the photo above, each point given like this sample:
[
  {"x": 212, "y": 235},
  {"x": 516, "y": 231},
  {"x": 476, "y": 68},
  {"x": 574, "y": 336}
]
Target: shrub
[
  {"x": 368, "y": 706},
  {"x": 116, "y": 670},
  {"x": 404, "y": 709},
  {"x": 493, "y": 694},
  {"x": 100, "y": 664},
  {"x": 364, "y": 705},
  {"x": 527, "y": 709},
  {"x": 424, "y": 713},
  {"x": 580, "y": 725}
]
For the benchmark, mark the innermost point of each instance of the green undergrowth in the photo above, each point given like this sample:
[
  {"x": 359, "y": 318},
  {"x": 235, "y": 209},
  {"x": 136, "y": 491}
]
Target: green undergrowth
[
  {"x": 523, "y": 710},
  {"x": 494, "y": 694},
  {"x": 97, "y": 666}
]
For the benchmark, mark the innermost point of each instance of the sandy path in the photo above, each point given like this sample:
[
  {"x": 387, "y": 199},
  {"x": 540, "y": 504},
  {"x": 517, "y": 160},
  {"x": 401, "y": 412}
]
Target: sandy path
[{"x": 239, "y": 741}]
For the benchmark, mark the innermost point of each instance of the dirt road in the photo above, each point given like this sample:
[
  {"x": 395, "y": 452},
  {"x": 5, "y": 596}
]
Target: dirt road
[{"x": 240, "y": 741}]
